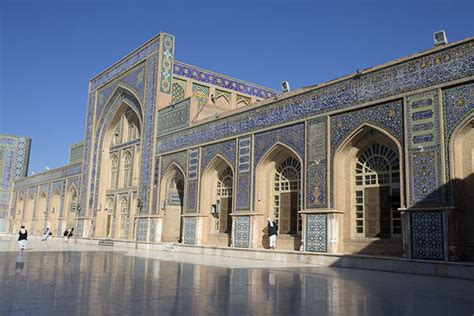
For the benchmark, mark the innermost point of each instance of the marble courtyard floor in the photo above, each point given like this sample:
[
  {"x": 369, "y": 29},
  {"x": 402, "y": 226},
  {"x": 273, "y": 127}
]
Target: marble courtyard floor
[{"x": 55, "y": 278}]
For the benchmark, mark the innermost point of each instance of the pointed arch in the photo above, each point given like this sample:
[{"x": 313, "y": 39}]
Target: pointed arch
[
  {"x": 217, "y": 202},
  {"x": 216, "y": 159},
  {"x": 172, "y": 199},
  {"x": 278, "y": 183},
  {"x": 461, "y": 158},
  {"x": 276, "y": 145},
  {"x": 368, "y": 196}
]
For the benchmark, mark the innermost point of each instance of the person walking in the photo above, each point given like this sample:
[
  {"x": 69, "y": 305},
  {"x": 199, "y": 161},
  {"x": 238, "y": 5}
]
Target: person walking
[
  {"x": 22, "y": 237},
  {"x": 47, "y": 233},
  {"x": 272, "y": 229},
  {"x": 68, "y": 234}
]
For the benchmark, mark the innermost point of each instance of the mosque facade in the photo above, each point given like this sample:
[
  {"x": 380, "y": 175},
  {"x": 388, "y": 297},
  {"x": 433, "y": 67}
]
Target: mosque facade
[{"x": 378, "y": 162}]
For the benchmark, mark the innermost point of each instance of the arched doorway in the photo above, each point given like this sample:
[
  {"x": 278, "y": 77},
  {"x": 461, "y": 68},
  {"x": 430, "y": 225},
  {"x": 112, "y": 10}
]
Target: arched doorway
[
  {"x": 40, "y": 224},
  {"x": 278, "y": 196},
  {"x": 20, "y": 207},
  {"x": 367, "y": 173},
  {"x": 119, "y": 170},
  {"x": 54, "y": 210},
  {"x": 462, "y": 157},
  {"x": 124, "y": 217},
  {"x": 27, "y": 219},
  {"x": 217, "y": 203},
  {"x": 70, "y": 207},
  {"x": 172, "y": 204}
]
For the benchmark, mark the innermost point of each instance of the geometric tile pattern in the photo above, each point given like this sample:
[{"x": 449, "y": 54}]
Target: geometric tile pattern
[
  {"x": 316, "y": 232},
  {"x": 191, "y": 197},
  {"x": 80, "y": 228},
  {"x": 426, "y": 235},
  {"x": 424, "y": 161},
  {"x": 189, "y": 231},
  {"x": 422, "y": 72},
  {"x": 245, "y": 144},
  {"x": 126, "y": 64},
  {"x": 167, "y": 56},
  {"x": 206, "y": 76},
  {"x": 14, "y": 157},
  {"x": 243, "y": 192},
  {"x": 226, "y": 150},
  {"x": 179, "y": 90},
  {"x": 179, "y": 158},
  {"x": 243, "y": 178},
  {"x": 316, "y": 169},
  {"x": 146, "y": 53},
  {"x": 387, "y": 116},
  {"x": 458, "y": 104},
  {"x": 200, "y": 93},
  {"x": 226, "y": 95},
  {"x": 292, "y": 136},
  {"x": 242, "y": 231},
  {"x": 132, "y": 79},
  {"x": 193, "y": 163},
  {"x": 142, "y": 229},
  {"x": 243, "y": 100},
  {"x": 243, "y": 174},
  {"x": 173, "y": 117}
]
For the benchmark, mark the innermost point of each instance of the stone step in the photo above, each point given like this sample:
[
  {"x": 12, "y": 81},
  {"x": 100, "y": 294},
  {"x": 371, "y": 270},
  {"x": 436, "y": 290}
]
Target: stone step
[{"x": 106, "y": 242}]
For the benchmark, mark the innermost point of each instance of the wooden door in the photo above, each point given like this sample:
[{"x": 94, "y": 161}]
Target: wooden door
[
  {"x": 288, "y": 213},
  {"x": 225, "y": 225},
  {"x": 377, "y": 212},
  {"x": 109, "y": 222}
]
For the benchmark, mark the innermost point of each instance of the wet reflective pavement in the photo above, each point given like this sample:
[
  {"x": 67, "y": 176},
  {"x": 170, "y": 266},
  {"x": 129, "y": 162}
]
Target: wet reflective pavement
[{"x": 53, "y": 278}]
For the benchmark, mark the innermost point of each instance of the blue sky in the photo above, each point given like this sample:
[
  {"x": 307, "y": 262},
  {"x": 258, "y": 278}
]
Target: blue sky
[{"x": 50, "y": 49}]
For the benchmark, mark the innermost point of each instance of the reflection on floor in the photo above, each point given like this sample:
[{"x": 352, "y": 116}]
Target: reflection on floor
[{"x": 54, "y": 278}]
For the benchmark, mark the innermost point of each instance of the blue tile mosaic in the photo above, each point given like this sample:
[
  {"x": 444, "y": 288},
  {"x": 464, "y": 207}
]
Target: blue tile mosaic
[
  {"x": 316, "y": 232},
  {"x": 206, "y": 76},
  {"x": 316, "y": 165},
  {"x": 173, "y": 117},
  {"x": 424, "y": 161},
  {"x": 126, "y": 64},
  {"x": 243, "y": 192},
  {"x": 225, "y": 149},
  {"x": 167, "y": 57},
  {"x": 191, "y": 197},
  {"x": 458, "y": 105},
  {"x": 179, "y": 158},
  {"x": 242, "y": 231},
  {"x": 453, "y": 64},
  {"x": 193, "y": 164},
  {"x": 189, "y": 231},
  {"x": 426, "y": 231}
]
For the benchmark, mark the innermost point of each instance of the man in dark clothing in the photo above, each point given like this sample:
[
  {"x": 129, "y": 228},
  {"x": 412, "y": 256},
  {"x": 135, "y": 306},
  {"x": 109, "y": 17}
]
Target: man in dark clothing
[
  {"x": 22, "y": 238},
  {"x": 272, "y": 228}
]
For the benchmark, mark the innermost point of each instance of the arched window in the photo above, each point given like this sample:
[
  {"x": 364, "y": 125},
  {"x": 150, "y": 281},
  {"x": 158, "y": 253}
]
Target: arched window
[
  {"x": 377, "y": 193},
  {"x": 127, "y": 180},
  {"x": 124, "y": 206},
  {"x": 176, "y": 189},
  {"x": 73, "y": 202},
  {"x": 287, "y": 196},
  {"x": 224, "y": 200},
  {"x": 110, "y": 205},
  {"x": 225, "y": 183},
  {"x": 114, "y": 172}
]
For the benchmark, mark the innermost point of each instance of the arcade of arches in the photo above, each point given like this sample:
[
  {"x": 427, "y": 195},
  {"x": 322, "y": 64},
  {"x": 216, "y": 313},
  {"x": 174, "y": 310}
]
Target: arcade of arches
[{"x": 379, "y": 163}]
